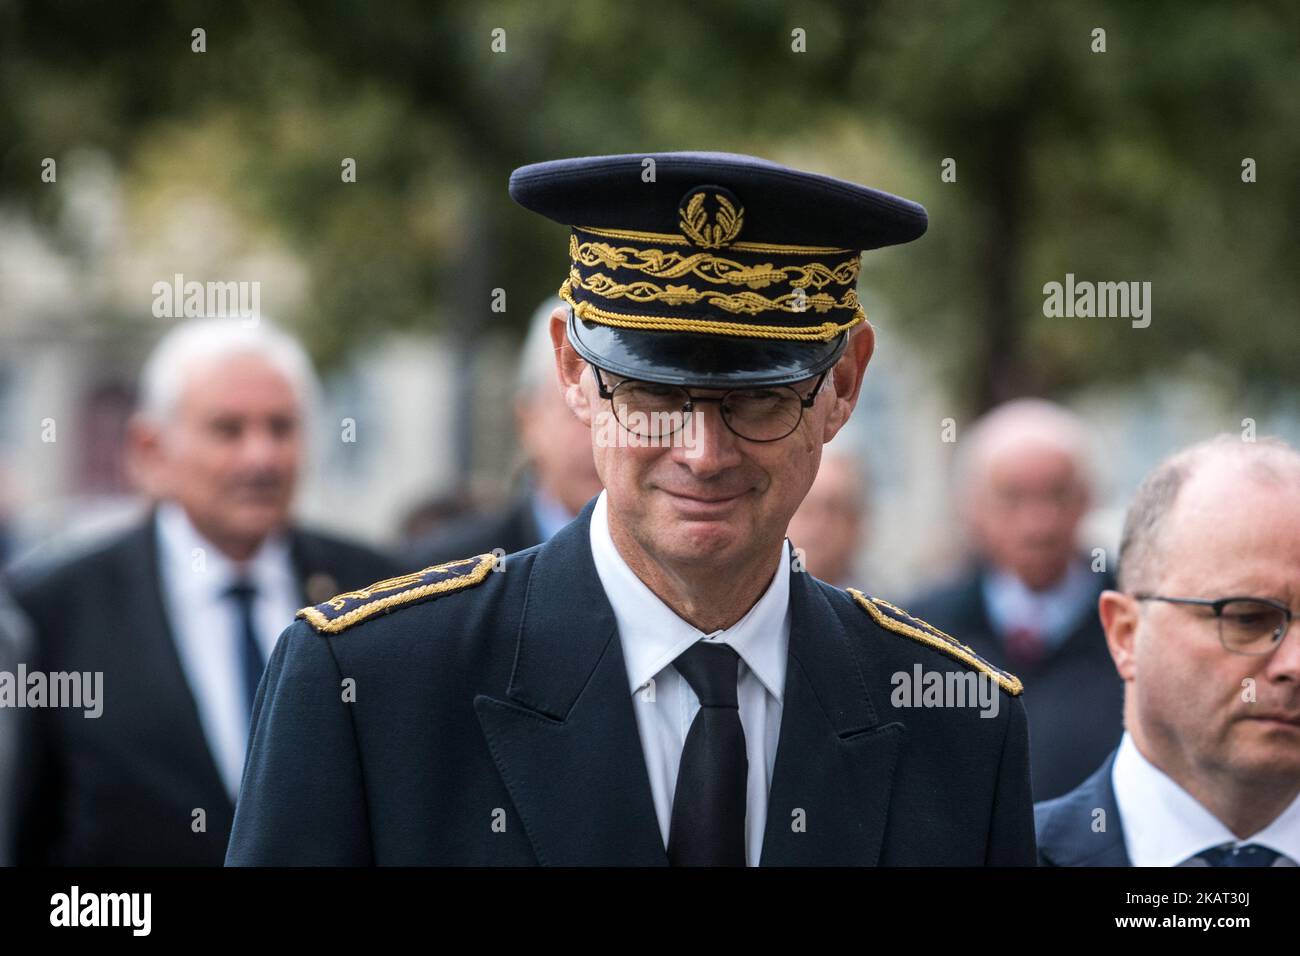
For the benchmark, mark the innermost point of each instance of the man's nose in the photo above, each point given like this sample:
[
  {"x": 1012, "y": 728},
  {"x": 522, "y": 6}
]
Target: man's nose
[
  {"x": 708, "y": 446},
  {"x": 262, "y": 446},
  {"x": 1041, "y": 511},
  {"x": 1284, "y": 662}
]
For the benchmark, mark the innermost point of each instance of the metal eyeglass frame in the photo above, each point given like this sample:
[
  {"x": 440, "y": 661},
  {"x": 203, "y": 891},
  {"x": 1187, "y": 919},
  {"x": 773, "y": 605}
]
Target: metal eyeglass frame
[
  {"x": 691, "y": 398},
  {"x": 1218, "y": 604}
]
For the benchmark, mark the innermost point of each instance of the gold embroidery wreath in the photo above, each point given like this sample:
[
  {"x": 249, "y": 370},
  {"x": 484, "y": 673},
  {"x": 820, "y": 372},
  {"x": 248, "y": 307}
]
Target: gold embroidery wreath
[{"x": 696, "y": 227}]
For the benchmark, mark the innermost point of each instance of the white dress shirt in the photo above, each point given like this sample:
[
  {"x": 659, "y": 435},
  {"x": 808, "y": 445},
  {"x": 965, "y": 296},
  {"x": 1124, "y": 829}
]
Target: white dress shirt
[
  {"x": 1164, "y": 825},
  {"x": 207, "y": 629},
  {"x": 652, "y": 637}
]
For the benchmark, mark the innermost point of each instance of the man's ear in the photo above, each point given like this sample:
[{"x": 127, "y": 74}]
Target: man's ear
[
  {"x": 846, "y": 378},
  {"x": 569, "y": 367},
  {"x": 144, "y": 454},
  {"x": 1120, "y": 616}
]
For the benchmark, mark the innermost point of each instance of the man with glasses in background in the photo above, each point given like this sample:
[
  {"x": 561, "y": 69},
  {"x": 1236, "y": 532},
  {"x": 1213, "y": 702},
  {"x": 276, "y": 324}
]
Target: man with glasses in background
[
  {"x": 659, "y": 683},
  {"x": 1208, "y": 770}
]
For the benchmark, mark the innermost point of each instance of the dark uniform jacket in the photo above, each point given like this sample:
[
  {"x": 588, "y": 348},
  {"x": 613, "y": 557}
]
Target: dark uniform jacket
[
  {"x": 120, "y": 789},
  {"x": 1074, "y": 698},
  {"x": 481, "y": 716}
]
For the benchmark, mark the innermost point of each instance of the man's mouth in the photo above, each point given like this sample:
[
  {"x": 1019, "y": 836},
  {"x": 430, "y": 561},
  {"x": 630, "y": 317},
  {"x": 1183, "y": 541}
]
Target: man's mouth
[
  {"x": 1279, "y": 718},
  {"x": 258, "y": 494},
  {"x": 702, "y": 505},
  {"x": 705, "y": 499}
]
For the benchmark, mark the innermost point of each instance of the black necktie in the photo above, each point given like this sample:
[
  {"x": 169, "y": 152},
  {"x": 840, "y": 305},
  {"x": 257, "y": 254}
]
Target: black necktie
[
  {"x": 1252, "y": 854},
  {"x": 708, "y": 819},
  {"x": 251, "y": 662}
]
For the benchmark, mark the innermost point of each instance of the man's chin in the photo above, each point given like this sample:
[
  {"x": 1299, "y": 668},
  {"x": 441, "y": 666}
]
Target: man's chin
[
  {"x": 256, "y": 520},
  {"x": 1040, "y": 576},
  {"x": 1264, "y": 750},
  {"x": 695, "y": 541}
]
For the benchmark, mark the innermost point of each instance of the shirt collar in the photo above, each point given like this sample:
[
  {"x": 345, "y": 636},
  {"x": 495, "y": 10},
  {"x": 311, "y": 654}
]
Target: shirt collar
[
  {"x": 653, "y": 635},
  {"x": 1053, "y": 612},
  {"x": 179, "y": 540},
  {"x": 1164, "y": 825}
]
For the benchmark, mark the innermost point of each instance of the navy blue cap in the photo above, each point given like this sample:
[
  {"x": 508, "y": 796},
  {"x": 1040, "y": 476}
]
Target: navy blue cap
[{"x": 712, "y": 269}]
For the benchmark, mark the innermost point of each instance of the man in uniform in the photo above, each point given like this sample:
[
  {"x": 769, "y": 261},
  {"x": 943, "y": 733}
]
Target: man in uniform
[{"x": 659, "y": 683}]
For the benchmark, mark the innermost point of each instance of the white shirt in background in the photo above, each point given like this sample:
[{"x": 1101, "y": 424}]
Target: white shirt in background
[{"x": 207, "y": 629}]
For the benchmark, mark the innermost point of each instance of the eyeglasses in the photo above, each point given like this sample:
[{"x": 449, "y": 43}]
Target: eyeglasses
[
  {"x": 654, "y": 410},
  {"x": 1247, "y": 625}
]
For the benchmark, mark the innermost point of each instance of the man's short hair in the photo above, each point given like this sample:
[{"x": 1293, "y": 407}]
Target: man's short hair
[
  {"x": 1139, "y": 549},
  {"x": 206, "y": 341}
]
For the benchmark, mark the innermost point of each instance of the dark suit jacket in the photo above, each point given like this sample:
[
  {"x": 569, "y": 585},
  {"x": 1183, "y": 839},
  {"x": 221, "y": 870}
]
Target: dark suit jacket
[
  {"x": 1074, "y": 698},
  {"x": 1067, "y": 826},
  {"x": 512, "y": 529},
  {"x": 507, "y": 703},
  {"x": 120, "y": 789}
]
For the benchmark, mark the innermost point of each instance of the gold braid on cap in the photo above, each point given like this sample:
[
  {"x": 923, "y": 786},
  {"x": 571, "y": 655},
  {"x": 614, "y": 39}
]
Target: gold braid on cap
[
  {"x": 795, "y": 333},
  {"x": 664, "y": 264},
  {"x": 811, "y": 279},
  {"x": 747, "y": 303}
]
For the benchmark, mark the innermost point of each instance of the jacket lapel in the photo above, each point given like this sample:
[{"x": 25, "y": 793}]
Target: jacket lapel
[
  {"x": 171, "y": 694},
  {"x": 312, "y": 569},
  {"x": 565, "y": 739},
  {"x": 831, "y": 784},
  {"x": 1066, "y": 834}
]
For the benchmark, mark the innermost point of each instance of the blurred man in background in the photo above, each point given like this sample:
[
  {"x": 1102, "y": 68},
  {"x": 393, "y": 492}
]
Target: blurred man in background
[
  {"x": 7, "y": 548},
  {"x": 180, "y": 613},
  {"x": 430, "y": 517},
  {"x": 560, "y": 472},
  {"x": 1208, "y": 771},
  {"x": 13, "y": 644},
  {"x": 1028, "y": 603},
  {"x": 830, "y": 524}
]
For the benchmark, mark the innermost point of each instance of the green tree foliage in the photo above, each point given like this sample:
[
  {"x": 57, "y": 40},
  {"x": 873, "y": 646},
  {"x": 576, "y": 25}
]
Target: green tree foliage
[{"x": 1122, "y": 165}]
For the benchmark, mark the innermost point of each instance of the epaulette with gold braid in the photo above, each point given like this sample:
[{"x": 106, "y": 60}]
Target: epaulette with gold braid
[
  {"x": 352, "y": 607},
  {"x": 900, "y": 622}
]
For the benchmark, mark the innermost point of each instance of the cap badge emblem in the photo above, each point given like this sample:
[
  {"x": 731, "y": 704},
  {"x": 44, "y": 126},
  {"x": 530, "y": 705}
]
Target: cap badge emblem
[{"x": 711, "y": 217}]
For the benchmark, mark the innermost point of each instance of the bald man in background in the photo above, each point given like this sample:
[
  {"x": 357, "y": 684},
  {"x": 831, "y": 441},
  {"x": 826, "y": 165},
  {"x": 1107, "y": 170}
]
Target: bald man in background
[
  {"x": 1202, "y": 633},
  {"x": 1028, "y": 600},
  {"x": 559, "y": 470}
]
